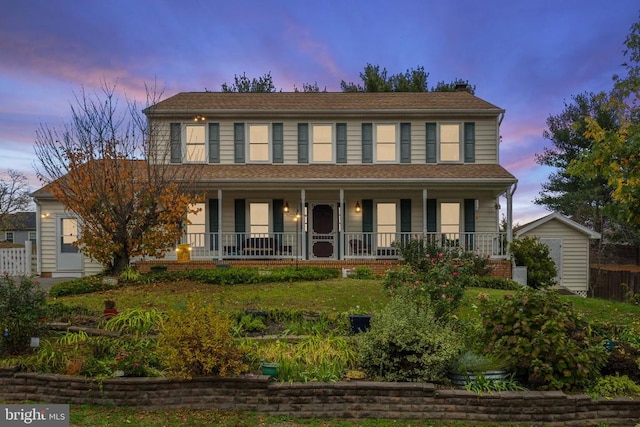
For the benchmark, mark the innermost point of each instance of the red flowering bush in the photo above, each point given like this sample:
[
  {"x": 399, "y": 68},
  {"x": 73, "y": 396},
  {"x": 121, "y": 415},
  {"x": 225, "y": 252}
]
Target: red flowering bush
[
  {"x": 439, "y": 284},
  {"x": 133, "y": 363}
]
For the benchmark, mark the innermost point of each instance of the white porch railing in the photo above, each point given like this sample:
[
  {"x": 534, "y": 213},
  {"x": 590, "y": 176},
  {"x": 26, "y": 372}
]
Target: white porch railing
[
  {"x": 16, "y": 261},
  {"x": 355, "y": 245}
]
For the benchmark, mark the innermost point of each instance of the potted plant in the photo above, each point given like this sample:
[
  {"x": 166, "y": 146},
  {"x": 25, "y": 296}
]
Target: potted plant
[
  {"x": 359, "y": 322},
  {"x": 470, "y": 365},
  {"x": 270, "y": 369},
  {"x": 110, "y": 309}
]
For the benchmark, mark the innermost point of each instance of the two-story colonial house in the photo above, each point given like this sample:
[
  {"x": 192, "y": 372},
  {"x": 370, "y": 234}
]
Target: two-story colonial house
[{"x": 322, "y": 176}]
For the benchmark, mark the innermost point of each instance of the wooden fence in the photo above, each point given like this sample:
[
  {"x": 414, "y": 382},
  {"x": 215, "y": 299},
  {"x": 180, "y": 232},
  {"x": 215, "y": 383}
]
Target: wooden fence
[
  {"x": 16, "y": 261},
  {"x": 613, "y": 284}
]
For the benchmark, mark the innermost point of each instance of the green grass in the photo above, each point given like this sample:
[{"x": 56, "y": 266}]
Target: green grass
[{"x": 330, "y": 296}]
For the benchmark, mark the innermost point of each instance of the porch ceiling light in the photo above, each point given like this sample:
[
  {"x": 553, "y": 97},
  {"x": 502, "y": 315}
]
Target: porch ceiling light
[
  {"x": 285, "y": 209},
  {"x": 199, "y": 119},
  {"x": 358, "y": 209}
]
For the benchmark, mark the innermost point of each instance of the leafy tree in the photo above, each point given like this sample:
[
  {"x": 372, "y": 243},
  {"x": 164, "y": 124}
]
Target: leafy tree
[
  {"x": 310, "y": 87},
  {"x": 584, "y": 199},
  {"x": 102, "y": 166},
  {"x": 14, "y": 195},
  {"x": 375, "y": 79},
  {"x": 614, "y": 151},
  {"x": 452, "y": 86},
  {"x": 244, "y": 84}
]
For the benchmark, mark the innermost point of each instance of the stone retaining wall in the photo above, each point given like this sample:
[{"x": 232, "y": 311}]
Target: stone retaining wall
[{"x": 349, "y": 400}]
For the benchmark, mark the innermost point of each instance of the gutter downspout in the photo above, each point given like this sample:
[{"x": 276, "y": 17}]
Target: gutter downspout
[
  {"x": 509, "y": 194},
  {"x": 38, "y": 238}
]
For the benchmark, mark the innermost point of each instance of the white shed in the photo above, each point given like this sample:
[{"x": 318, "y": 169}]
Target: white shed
[{"x": 568, "y": 244}]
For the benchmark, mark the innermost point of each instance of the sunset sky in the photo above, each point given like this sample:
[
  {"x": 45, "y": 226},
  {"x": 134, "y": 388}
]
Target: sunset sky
[{"x": 526, "y": 57}]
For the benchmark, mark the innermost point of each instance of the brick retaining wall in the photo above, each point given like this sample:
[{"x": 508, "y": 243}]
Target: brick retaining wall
[{"x": 349, "y": 400}]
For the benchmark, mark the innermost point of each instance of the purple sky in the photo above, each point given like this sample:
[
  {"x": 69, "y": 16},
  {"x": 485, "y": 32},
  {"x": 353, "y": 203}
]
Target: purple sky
[{"x": 526, "y": 57}]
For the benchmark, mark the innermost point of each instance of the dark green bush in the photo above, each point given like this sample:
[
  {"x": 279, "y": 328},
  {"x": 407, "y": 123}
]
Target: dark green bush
[
  {"x": 544, "y": 339},
  {"x": 22, "y": 313},
  {"x": 407, "y": 344},
  {"x": 530, "y": 252},
  {"x": 496, "y": 283},
  {"x": 624, "y": 359},
  {"x": 83, "y": 285},
  {"x": 238, "y": 276},
  {"x": 361, "y": 272}
]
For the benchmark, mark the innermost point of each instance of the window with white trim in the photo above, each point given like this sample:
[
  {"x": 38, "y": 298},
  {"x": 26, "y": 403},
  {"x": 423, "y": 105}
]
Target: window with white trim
[
  {"x": 450, "y": 222},
  {"x": 258, "y": 219},
  {"x": 322, "y": 144},
  {"x": 8, "y": 236},
  {"x": 386, "y": 138},
  {"x": 450, "y": 142},
  {"x": 195, "y": 143},
  {"x": 32, "y": 237},
  {"x": 258, "y": 142},
  {"x": 69, "y": 234},
  {"x": 386, "y": 219},
  {"x": 196, "y": 222}
]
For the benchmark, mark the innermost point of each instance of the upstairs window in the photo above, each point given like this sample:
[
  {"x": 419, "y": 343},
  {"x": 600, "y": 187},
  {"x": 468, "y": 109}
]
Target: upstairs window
[
  {"x": 322, "y": 143},
  {"x": 385, "y": 143},
  {"x": 195, "y": 143},
  {"x": 450, "y": 142},
  {"x": 258, "y": 142}
]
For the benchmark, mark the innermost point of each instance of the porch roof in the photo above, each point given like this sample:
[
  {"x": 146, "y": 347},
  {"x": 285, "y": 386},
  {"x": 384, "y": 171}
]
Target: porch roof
[
  {"x": 422, "y": 174},
  {"x": 313, "y": 104}
]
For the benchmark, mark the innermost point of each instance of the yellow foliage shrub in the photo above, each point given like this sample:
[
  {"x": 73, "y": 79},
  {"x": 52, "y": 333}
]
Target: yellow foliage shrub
[{"x": 198, "y": 342}]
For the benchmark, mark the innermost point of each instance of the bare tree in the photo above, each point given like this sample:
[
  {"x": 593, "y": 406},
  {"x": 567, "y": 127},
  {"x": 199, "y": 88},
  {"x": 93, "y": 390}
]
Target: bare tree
[
  {"x": 107, "y": 166},
  {"x": 14, "y": 194}
]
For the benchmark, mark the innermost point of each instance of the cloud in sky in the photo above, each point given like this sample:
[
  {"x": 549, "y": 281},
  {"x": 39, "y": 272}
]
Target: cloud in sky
[{"x": 526, "y": 57}]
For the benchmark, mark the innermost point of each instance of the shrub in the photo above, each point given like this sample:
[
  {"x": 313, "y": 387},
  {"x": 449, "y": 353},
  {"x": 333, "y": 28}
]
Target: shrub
[
  {"x": 84, "y": 285},
  {"x": 361, "y": 272},
  {"x": 130, "y": 275},
  {"x": 624, "y": 359},
  {"x": 22, "y": 312},
  {"x": 198, "y": 342},
  {"x": 543, "y": 338},
  {"x": 496, "y": 283},
  {"x": 530, "y": 252},
  {"x": 135, "y": 321},
  {"x": 407, "y": 344},
  {"x": 614, "y": 386},
  {"x": 441, "y": 287}
]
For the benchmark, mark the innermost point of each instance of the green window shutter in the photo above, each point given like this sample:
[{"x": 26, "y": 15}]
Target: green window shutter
[
  {"x": 469, "y": 215},
  {"x": 432, "y": 215},
  {"x": 240, "y": 216},
  {"x": 277, "y": 140},
  {"x": 213, "y": 223},
  {"x": 240, "y": 222},
  {"x": 367, "y": 221},
  {"x": 214, "y": 143},
  {"x": 303, "y": 142},
  {"x": 278, "y": 216},
  {"x": 176, "y": 143},
  {"x": 469, "y": 222},
  {"x": 367, "y": 143},
  {"x": 341, "y": 143},
  {"x": 470, "y": 142},
  {"x": 238, "y": 142},
  {"x": 405, "y": 215},
  {"x": 405, "y": 142},
  {"x": 431, "y": 143}
]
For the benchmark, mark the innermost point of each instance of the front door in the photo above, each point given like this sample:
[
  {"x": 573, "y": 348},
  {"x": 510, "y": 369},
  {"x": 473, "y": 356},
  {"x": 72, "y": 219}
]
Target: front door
[
  {"x": 69, "y": 260},
  {"x": 324, "y": 231}
]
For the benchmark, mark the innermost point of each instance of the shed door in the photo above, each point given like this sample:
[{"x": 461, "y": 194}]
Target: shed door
[{"x": 555, "y": 251}]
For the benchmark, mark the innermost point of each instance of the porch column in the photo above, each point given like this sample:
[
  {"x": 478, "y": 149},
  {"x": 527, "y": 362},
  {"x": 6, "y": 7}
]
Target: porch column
[
  {"x": 341, "y": 225},
  {"x": 303, "y": 219},
  {"x": 424, "y": 211},
  {"x": 220, "y": 224}
]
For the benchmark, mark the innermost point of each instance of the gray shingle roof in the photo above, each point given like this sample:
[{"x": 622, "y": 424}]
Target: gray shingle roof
[{"x": 301, "y": 103}]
